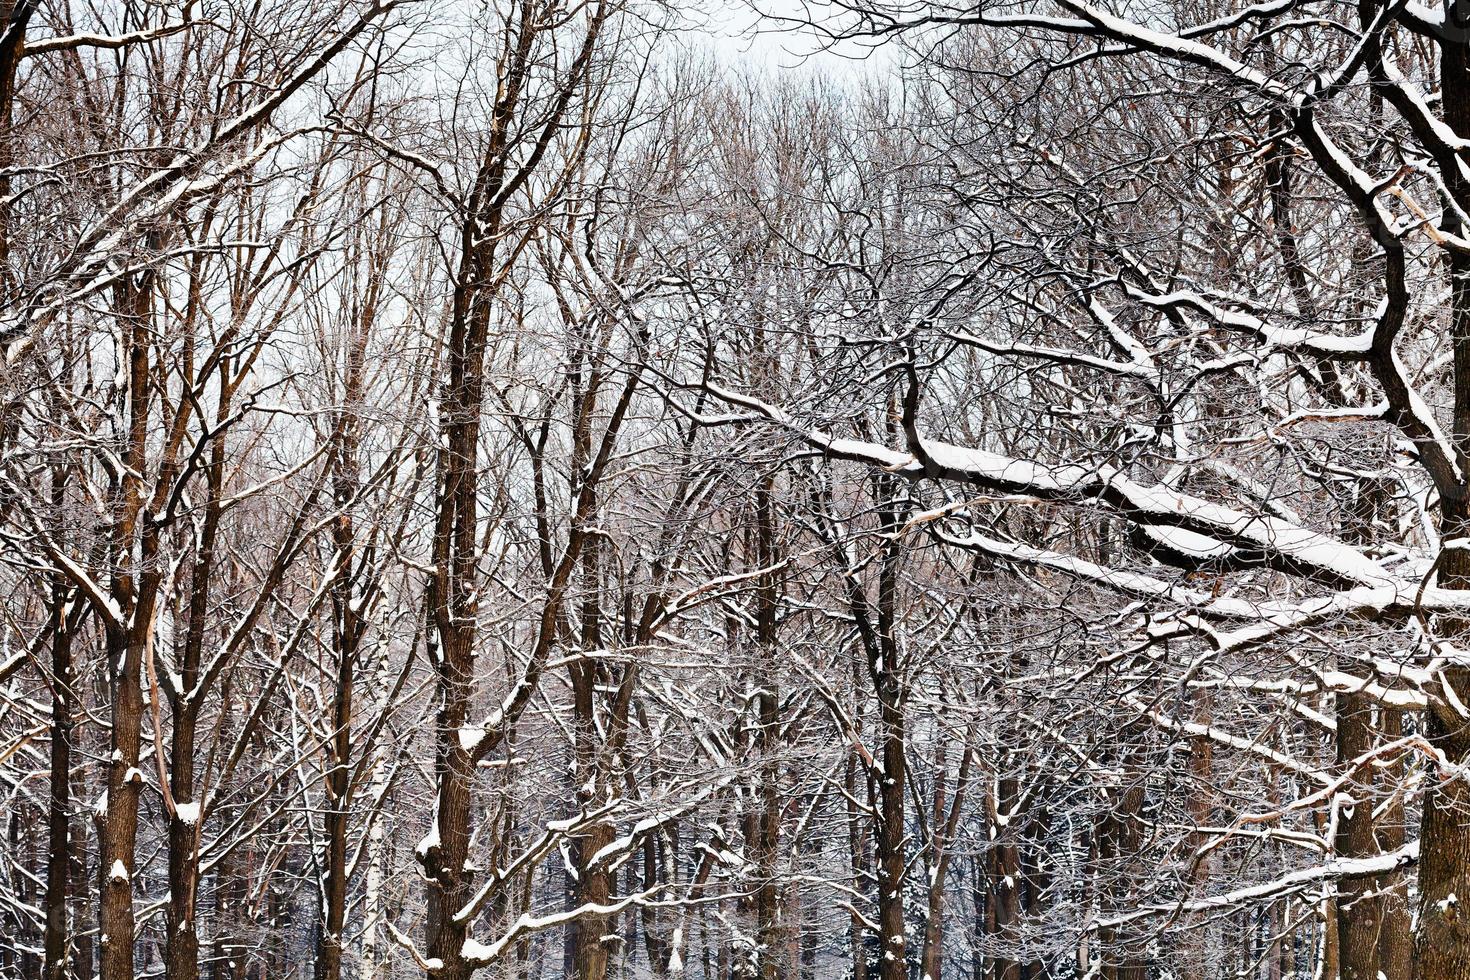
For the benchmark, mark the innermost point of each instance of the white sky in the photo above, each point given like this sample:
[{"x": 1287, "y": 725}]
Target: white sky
[{"x": 740, "y": 36}]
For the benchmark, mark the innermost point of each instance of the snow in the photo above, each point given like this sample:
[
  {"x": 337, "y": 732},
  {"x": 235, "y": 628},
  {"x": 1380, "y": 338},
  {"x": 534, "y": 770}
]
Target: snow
[
  {"x": 1322, "y": 344},
  {"x": 1122, "y": 338},
  {"x": 470, "y": 738},
  {"x": 430, "y": 841},
  {"x": 477, "y": 952},
  {"x": 1187, "y": 543},
  {"x": 1143, "y": 369},
  {"x": 1151, "y": 505},
  {"x": 1426, "y": 15},
  {"x": 119, "y": 871},
  {"x": 1286, "y": 884},
  {"x": 1452, "y": 696},
  {"x": 188, "y": 813}
]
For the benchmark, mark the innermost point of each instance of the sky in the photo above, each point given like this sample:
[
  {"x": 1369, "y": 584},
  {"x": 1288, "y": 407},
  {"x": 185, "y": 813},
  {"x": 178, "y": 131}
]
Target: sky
[{"x": 741, "y": 36}]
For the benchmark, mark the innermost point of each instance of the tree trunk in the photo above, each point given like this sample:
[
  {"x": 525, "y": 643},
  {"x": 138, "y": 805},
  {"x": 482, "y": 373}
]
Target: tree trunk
[
  {"x": 944, "y": 820},
  {"x": 893, "y": 961},
  {"x": 347, "y": 633},
  {"x": 334, "y": 891},
  {"x": 119, "y": 825},
  {"x": 1396, "y": 938},
  {"x": 858, "y": 854},
  {"x": 892, "y": 783},
  {"x": 764, "y": 825},
  {"x": 136, "y": 580},
  {"x": 1442, "y": 939},
  {"x": 1119, "y": 836},
  {"x": 1358, "y": 905},
  {"x": 181, "y": 953},
  {"x": 59, "y": 859}
]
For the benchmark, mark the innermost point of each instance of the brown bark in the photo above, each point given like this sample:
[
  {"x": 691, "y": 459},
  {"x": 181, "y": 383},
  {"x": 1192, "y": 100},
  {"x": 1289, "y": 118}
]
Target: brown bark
[
  {"x": 181, "y": 949},
  {"x": 181, "y": 953},
  {"x": 15, "y": 16},
  {"x": 944, "y": 821},
  {"x": 593, "y": 885},
  {"x": 893, "y": 773},
  {"x": 1395, "y": 939},
  {"x": 230, "y": 955},
  {"x": 763, "y": 821},
  {"x": 1358, "y": 906},
  {"x": 1201, "y": 813},
  {"x": 120, "y": 825},
  {"x": 352, "y": 588},
  {"x": 60, "y": 860},
  {"x": 1442, "y": 939},
  {"x": 877, "y": 626},
  {"x": 1005, "y": 881},
  {"x": 452, "y": 595},
  {"x": 128, "y": 632},
  {"x": 348, "y": 634},
  {"x": 857, "y": 849},
  {"x": 892, "y": 938},
  {"x": 1118, "y": 838}
]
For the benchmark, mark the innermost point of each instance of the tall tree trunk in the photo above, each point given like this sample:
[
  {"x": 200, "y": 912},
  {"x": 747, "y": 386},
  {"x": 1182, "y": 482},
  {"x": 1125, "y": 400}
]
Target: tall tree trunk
[
  {"x": 230, "y": 953},
  {"x": 1201, "y": 813},
  {"x": 1036, "y": 880},
  {"x": 328, "y": 964},
  {"x": 764, "y": 824},
  {"x": 348, "y": 627},
  {"x": 376, "y": 961},
  {"x": 119, "y": 825},
  {"x": 1442, "y": 939},
  {"x": 1396, "y": 938},
  {"x": 593, "y": 885},
  {"x": 892, "y": 937},
  {"x": 1119, "y": 836},
  {"x": 129, "y": 632},
  {"x": 181, "y": 952},
  {"x": 857, "y": 844},
  {"x": 60, "y": 861},
  {"x": 943, "y": 822},
  {"x": 1358, "y": 905},
  {"x": 454, "y": 606},
  {"x": 1005, "y": 879},
  {"x": 893, "y": 784},
  {"x": 15, "y": 16},
  {"x": 185, "y": 822}
]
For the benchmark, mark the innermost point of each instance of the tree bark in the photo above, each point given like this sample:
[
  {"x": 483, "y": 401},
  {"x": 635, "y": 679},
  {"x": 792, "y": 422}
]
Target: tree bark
[
  {"x": 1359, "y": 917},
  {"x": 60, "y": 861},
  {"x": 1442, "y": 939},
  {"x": 893, "y": 773},
  {"x": 1396, "y": 937},
  {"x": 1119, "y": 836}
]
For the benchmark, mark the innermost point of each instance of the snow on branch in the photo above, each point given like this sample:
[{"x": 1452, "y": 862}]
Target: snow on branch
[
  {"x": 1281, "y": 543},
  {"x": 1288, "y": 884},
  {"x": 481, "y": 954}
]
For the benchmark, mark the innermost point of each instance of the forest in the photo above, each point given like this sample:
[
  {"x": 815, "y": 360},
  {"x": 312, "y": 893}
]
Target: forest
[{"x": 885, "y": 490}]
